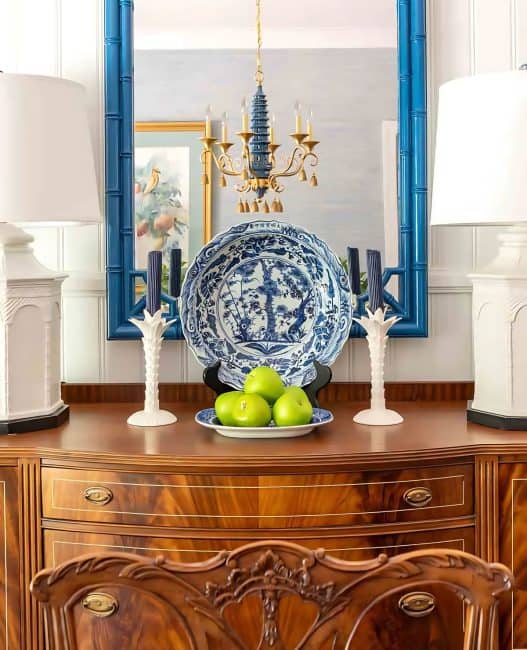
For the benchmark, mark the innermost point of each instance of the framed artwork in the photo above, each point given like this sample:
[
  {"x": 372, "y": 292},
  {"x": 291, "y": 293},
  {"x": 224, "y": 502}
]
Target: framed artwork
[{"x": 171, "y": 209}]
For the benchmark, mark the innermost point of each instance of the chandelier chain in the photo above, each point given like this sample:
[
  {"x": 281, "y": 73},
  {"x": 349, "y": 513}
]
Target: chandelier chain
[{"x": 259, "y": 73}]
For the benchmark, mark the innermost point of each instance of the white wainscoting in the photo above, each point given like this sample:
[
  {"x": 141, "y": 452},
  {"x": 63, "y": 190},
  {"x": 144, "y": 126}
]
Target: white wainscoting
[{"x": 64, "y": 38}]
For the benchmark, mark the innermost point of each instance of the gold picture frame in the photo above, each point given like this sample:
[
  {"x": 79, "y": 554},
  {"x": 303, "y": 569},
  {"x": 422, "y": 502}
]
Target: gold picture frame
[{"x": 195, "y": 129}]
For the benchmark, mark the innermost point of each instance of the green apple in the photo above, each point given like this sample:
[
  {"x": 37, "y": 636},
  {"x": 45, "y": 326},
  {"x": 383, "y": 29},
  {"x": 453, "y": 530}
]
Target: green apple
[
  {"x": 293, "y": 408},
  {"x": 296, "y": 390},
  {"x": 266, "y": 382},
  {"x": 223, "y": 407},
  {"x": 250, "y": 411}
]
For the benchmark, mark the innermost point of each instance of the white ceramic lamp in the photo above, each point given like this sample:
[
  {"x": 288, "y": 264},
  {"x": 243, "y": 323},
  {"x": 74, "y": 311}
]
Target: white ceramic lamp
[
  {"x": 480, "y": 178},
  {"x": 47, "y": 175}
]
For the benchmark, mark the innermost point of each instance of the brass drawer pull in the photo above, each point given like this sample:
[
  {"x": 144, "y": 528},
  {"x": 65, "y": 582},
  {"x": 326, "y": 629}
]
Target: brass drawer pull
[
  {"x": 98, "y": 496},
  {"x": 100, "y": 605},
  {"x": 417, "y": 604},
  {"x": 418, "y": 497}
]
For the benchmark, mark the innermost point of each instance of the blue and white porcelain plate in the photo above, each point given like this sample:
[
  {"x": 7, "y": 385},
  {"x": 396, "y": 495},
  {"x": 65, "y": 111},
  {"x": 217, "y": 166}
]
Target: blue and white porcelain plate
[
  {"x": 208, "y": 419},
  {"x": 266, "y": 293}
]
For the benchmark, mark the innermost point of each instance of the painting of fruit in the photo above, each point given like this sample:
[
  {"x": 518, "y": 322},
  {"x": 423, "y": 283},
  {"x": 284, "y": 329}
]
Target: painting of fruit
[
  {"x": 171, "y": 208},
  {"x": 162, "y": 180}
]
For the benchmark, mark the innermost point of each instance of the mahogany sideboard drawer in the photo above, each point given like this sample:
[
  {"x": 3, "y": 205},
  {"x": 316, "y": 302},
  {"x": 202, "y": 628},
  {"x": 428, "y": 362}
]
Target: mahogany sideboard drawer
[
  {"x": 270, "y": 501},
  {"x": 63, "y": 545},
  {"x": 441, "y": 628}
]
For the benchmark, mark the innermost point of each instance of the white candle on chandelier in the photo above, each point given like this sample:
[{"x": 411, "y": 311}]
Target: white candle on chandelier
[
  {"x": 224, "y": 127},
  {"x": 208, "y": 115},
  {"x": 245, "y": 116},
  {"x": 271, "y": 128},
  {"x": 298, "y": 117},
  {"x": 310, "y": 124}
]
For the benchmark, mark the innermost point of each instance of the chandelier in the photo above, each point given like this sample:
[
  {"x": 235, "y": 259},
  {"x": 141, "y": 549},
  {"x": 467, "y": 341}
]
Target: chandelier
[{"x": 256, "y": 168}]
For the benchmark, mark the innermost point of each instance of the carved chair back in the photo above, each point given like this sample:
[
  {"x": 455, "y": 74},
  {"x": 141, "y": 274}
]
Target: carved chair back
[{"x": 110, "y": 601}]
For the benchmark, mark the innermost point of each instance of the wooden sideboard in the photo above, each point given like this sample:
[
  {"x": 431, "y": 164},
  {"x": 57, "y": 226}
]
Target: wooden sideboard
[{"x": 185, "y": 492}]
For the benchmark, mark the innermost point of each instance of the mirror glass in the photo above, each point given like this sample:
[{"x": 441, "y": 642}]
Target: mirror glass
[{"x": 338, "y": 59}]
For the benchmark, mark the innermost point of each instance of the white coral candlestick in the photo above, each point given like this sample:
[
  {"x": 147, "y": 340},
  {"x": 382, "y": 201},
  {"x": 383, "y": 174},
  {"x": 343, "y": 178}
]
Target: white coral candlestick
[
  {"x": 152, "y": 328},
  {"x": 377, "y": 335}
]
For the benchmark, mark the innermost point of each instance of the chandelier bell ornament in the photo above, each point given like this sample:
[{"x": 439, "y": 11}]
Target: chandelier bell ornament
[{"x": 256, "y": 170}]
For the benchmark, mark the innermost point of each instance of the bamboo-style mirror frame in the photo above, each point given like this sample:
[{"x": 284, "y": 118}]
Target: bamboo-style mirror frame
[{"x": 411, "y": 271}]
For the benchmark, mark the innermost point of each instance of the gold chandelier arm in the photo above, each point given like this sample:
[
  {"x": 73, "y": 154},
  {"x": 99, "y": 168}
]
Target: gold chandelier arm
[
  {"x": 245, "y": 187},
  {"x": 223, "y": 162},
  {"x": 298, "y": 155},
  {"x": 290, "y": 170},
  {"x": 314, "y": 158},
  {"x": 225, "y": 165},
  {"x": 287, "y": 169},
  {"x": 211, "y": 153}
]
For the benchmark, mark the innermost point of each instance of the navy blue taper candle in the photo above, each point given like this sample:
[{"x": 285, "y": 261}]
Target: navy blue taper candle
[
  {"x": 354, "y": 270},
  {"x": 375, "y": 288},
  {"x": 174, "y": 280},
  {"x": 153, "y": 282}
]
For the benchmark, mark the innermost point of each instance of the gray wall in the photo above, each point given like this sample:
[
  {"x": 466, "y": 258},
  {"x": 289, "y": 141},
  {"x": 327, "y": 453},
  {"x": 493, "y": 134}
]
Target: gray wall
[{"x": 351, "y": 91}]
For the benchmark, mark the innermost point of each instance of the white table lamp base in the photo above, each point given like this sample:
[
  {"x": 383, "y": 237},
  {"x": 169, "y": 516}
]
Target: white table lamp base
[
  {"x": 499, "y": 312},
  {"x": 30, "y": 315}
]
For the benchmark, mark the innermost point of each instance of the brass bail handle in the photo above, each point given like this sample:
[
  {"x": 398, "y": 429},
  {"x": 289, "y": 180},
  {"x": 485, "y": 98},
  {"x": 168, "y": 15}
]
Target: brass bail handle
[
  {"x": 417, "y": 604},
  {"x": 100, "y": 604},
  {"x": 418, "y": 497},
  {"x": 98, "y": 495}
]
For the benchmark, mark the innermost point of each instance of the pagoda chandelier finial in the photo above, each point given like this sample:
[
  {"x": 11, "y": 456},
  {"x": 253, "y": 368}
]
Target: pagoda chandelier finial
[{"x": 256, "y": 170}]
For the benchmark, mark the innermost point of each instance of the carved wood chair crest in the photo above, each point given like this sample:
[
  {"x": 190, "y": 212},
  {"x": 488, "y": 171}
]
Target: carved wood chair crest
[{"x": 243, "y": 599}]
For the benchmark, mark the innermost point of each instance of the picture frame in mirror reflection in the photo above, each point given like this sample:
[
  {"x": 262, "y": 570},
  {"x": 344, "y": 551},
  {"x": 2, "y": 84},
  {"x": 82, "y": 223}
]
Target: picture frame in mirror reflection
[{"x": 172, "y": 207}]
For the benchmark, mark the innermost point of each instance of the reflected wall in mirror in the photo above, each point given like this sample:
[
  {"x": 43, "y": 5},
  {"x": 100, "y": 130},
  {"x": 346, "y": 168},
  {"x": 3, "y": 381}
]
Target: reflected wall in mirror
[{"x": 358, "y": 68}]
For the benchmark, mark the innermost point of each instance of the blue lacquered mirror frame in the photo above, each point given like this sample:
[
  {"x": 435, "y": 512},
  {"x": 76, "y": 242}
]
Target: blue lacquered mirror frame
[{"x": 411, "y": 272}]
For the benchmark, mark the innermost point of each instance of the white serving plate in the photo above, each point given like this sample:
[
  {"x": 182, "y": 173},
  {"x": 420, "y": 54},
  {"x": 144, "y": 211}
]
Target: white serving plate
[{"x": 207, "y": 418}]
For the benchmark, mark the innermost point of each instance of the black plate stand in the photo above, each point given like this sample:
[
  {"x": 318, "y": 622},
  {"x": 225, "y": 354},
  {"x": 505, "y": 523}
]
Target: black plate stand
[{"x": 322, "y": 379}]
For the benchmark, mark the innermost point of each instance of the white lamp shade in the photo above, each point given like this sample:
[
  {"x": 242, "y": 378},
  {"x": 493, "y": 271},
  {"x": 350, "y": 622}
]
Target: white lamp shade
[
  {"x": 47, "y": 172},
  {"x": 480, "y": 174}
]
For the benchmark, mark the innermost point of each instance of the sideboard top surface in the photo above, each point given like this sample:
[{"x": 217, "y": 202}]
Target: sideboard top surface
[{"x": 98, "y": 432}]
